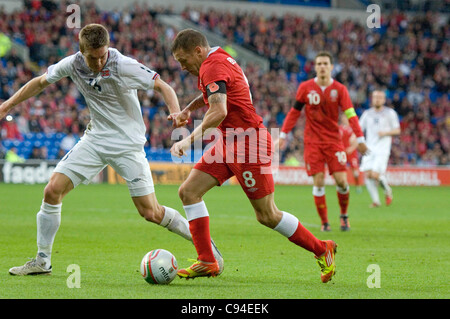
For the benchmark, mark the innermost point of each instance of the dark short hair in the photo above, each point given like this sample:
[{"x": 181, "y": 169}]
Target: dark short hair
[
  {"x": 188, "y": 40},
  {"x": 324, "y": 54},
  {"x": 93, "y": 36}
]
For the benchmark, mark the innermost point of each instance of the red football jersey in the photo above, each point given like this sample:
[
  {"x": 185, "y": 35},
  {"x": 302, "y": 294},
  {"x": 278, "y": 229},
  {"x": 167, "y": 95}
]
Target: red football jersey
[
  {"x": 322, "y": 110},
  {"x": 220, "y": 66}
]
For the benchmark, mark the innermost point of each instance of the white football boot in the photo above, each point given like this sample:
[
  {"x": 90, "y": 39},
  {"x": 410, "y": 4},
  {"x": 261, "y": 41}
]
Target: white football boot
[
  {"x": 218, "y": 256},
  {"x": 35, "y": 266}
]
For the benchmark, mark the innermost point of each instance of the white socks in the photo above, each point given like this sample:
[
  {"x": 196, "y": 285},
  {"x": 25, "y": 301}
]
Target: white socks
[
  {"x": 343, "y": 191},
  {"x": 372, "y": 188},
  {"x": 176, "y": 223},
  {"x": 287, "y": 225},
  {"x": 48, "y": 220},
  {"x": 384, "y": 184},
  {"x": 197, "y": 210},
  {"x": 318, "y": 191}
]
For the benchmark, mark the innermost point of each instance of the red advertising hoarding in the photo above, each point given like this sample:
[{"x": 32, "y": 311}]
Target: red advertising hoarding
[{"x": 401, "y": 176}]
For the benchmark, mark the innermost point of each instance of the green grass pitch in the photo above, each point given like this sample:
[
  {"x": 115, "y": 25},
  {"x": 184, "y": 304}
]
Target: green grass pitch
[{"x": 103, "y": 234}]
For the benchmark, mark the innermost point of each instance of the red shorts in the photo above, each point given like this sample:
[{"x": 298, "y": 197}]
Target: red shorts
[
  {"x": 251, "y": 165},
  {"x": 317, "y": 155}
]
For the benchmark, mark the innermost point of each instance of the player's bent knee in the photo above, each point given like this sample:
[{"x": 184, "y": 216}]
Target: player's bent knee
[
  {"x": 57, "y": 187},
  {"x": 52, "y": 193},
  {"x": 187, "y": 195},
  {"x": 182, "y": 193},
  {"x": 342, "y": 184}
]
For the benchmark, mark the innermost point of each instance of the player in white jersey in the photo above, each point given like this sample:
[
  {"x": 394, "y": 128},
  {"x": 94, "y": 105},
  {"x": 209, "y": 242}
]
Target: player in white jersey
[
  {"x": 115, "y": 136},
  {"x": 379, "y": 123}
]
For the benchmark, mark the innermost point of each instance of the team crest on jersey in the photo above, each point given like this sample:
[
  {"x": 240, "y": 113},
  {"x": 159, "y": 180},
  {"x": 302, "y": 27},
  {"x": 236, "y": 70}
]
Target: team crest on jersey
[
  {"x": 334, "y": 95},
  {"x": 106, "y": 73}
]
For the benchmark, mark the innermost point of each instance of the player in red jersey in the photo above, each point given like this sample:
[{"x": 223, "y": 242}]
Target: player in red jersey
[
  {"x": 350, "y": 145},
  {"x": 322, "y": 98},
  {"x": 226, "y": 92}
]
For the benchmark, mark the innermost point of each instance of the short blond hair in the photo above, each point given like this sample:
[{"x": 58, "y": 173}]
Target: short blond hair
[{"x": 93, "y": 36}]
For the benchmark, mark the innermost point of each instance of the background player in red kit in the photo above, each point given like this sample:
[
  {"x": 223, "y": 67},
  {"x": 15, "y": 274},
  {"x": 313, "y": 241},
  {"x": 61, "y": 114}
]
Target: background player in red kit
[
  {"x": 225, "y": 91},
  {"x": 350, "y": 145},
  {"x": 323, "y": 98}
]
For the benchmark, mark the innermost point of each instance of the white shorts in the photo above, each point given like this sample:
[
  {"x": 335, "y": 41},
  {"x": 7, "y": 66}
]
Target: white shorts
[
  {"x": 375, "y": 162},
  {"x": 84, "y": 161}
]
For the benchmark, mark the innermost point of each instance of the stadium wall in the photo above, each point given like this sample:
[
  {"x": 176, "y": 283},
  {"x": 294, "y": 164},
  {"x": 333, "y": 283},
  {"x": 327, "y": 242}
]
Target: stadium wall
[{"x": 39, "y": 172}]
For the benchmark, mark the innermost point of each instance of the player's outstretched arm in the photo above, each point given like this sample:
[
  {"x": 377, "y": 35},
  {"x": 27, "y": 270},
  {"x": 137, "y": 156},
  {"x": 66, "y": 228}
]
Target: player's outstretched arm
[
  {"x": 289, "y": 123},
  {"x": 30, "y": 89},
  {"x": 168, "y": 94},
  {"x": 393, "y": 132},
  {"x": 195, "y": 104}
]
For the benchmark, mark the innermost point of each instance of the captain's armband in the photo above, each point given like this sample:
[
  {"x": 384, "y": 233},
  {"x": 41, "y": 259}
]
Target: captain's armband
[{"x": 350, "y": 112}]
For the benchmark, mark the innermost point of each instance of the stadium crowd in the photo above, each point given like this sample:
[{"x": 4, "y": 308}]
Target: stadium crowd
[{"x": 409, "y": 57}]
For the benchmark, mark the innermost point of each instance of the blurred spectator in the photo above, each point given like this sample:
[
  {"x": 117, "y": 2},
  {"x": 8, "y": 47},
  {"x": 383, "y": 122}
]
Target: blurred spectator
[
  {"x": 12, "y": 156},
  {"x": 39, "y": 153},
  {"x": 5, "y": 44},
  {"x": 68, "y": 142},
  {"x": 14, "y": 58},
  {"x": 10, "y": 130},
  {"x": 293, "y": 159},
  {"x": 22, "y": 121},
  {"x": 61, "y": 154}
]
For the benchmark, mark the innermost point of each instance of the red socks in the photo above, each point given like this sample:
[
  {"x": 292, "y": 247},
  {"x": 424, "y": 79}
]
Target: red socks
[
  {"x": 198, "y": 218},
  {"x": 303, "y": 238},
  {"x": 289, "y": 226},
  {"x": 201, "y": 237},
  {"x": 343, "y": 198},
  {"x": 321, "y": 207}
]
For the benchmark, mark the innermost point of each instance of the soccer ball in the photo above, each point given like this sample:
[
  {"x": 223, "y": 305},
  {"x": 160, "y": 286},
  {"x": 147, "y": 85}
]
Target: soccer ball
[{"x": 159, "y": 266}]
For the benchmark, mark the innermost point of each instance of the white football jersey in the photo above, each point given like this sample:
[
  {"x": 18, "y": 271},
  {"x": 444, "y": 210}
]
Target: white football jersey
[
  {"x": 372, "y": 122},
  {"x": 111, "y": 96}
]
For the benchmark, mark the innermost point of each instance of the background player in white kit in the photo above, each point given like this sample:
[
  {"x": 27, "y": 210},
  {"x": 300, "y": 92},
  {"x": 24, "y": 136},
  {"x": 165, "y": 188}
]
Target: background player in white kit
[
  {"x": 379, "y": 123},
  {"x": 115, "y": 136}
]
